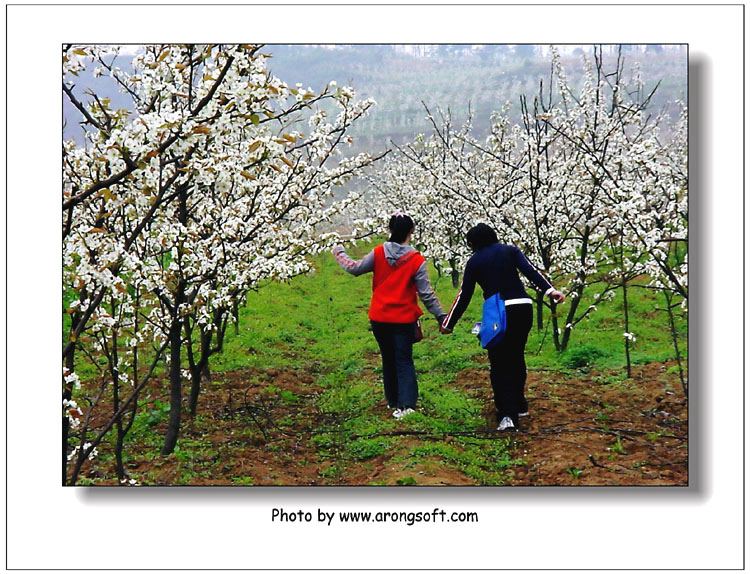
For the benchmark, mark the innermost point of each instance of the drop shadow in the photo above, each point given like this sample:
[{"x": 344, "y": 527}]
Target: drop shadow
[
  {"x": 699, "y": 361},
  {"x": 699, "y": 249}
]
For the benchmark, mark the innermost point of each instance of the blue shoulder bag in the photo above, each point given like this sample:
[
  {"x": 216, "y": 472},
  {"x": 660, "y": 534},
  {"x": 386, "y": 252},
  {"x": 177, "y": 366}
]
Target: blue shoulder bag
[{"x": 493, "y": 322}]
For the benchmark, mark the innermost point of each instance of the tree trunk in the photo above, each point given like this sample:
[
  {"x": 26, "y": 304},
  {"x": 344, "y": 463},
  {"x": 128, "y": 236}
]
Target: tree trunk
[
  {"x": 201, "y": 379},
  {"x": 175, "y": 342},
  {"x": 578, "y": 290},
  {"x": 199, "y": 372},
  {"x": 539, "y": 311},
  {"x": 175, "y": 384},
  {"x": 236, "y": 314},
  {"x": 571, "y": 315},
  {"x": 123, "y": 431},
  {"x": 115, "y": 369},
  {"x": 455, "y": 275},
  {"x": 627, "y": 326},
  {"x": 118, "y": 450},
  {"x": 68, "y": 395},
  {"x": 555, "y": 328},
  {"x": 673, "y": 329}
]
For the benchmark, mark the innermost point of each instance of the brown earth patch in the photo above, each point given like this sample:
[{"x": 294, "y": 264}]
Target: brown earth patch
[
  {"x": 236, "y": 438},
  {"x": 389, "y": 470},
  {"x": 256, "y": 426},
  {"x": 597, "y": 428}
]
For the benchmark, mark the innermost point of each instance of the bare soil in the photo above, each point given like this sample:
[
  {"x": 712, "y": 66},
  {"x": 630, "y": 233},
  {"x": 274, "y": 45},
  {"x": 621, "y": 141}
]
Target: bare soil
[
  {"x": 597, "y": 429},
  {"x": 594, "y": 428}
]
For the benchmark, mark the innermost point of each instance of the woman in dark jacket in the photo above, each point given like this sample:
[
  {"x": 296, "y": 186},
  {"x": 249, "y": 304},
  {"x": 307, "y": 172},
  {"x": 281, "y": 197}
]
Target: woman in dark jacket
[{"x": 495, "y": 266}]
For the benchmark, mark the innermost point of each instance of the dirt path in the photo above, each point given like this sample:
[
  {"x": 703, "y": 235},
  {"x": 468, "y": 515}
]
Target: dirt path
[
  {"x": 597, "y": 429},
  {"x": 259, "y": 426}
]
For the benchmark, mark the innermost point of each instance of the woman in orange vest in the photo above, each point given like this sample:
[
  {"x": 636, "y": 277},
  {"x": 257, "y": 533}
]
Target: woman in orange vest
[{"x": 399, "y": 275}]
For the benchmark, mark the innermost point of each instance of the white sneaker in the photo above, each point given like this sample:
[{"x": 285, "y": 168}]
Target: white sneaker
[
  {"x": 523, "y": 414},
  {"x": 401, "y": 413},
  {"x": 506, "y": 424}
]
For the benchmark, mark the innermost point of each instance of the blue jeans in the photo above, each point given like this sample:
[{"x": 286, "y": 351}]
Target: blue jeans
[{"x": 399, "y": 376}]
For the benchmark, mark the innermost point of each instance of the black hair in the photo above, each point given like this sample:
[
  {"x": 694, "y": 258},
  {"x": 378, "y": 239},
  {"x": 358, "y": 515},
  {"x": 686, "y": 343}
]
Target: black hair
[
  {"x": 480, "y": 236},
  {"x": 401, "y": 226}
]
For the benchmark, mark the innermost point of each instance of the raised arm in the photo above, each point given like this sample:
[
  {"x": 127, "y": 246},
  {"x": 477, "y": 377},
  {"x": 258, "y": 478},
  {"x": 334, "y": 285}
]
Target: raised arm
[
  {"x": 364, "y": 265},
  {"x": 525, "y": 267}
]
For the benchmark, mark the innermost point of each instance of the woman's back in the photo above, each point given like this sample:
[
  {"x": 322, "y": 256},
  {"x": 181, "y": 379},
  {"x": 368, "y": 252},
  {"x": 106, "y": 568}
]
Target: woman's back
[{"x": 495, "y": 268}]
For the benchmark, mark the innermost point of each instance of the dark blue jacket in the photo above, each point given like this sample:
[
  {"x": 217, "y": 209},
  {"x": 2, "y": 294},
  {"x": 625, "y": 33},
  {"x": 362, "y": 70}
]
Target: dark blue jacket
[{"x": 495, "y": 268}]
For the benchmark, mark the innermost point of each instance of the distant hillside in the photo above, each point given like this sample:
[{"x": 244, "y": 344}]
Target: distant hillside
[{"x": 400, "y": 78}]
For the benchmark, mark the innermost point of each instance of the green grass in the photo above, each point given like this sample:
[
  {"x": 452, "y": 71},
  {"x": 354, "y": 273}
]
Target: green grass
[
  {"x": 321, "y": 319},
  {"x": 317, "y": 324},
  {"x": 327, "y": 313}
]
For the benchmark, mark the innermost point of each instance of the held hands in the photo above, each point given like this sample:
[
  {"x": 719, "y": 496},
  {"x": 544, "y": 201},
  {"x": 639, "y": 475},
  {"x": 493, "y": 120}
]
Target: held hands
[
  {"x": 557, "y": 296},
  {"x": 440, "y": 321}
]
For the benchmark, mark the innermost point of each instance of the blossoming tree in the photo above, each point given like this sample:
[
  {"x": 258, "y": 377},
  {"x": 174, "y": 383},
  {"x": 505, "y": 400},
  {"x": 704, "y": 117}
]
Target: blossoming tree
[
  {"x": 173, "y": 211},
  {"x": 588, "y": 186}
]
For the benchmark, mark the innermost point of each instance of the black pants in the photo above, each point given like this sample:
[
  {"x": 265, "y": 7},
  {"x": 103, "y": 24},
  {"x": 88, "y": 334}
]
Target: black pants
[
  {"x": 399, "y": 376},
  {"x": 508, "y": 365}
]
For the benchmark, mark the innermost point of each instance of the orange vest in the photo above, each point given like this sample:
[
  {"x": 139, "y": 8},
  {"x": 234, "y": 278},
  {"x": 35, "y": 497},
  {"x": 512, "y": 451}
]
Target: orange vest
[{"x": 394, "y": 294}]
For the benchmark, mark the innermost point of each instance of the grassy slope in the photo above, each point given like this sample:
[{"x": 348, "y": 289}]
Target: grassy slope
[
  {"x": 319, "y": 323},
  {"x": 317, "y": 326},
  {"x": 327, "y": 312}
]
